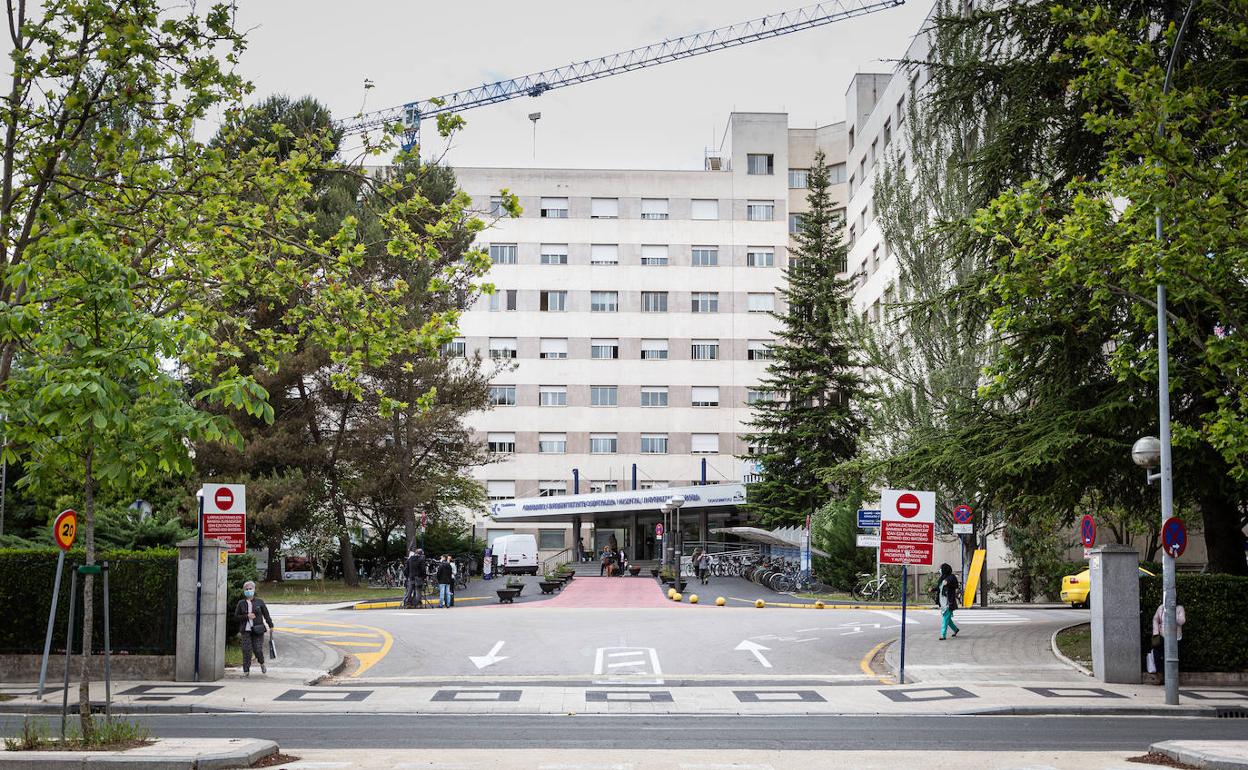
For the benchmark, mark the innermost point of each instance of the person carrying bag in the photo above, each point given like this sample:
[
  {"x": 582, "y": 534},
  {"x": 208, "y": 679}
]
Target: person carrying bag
[{"x": 252, "y": 615}]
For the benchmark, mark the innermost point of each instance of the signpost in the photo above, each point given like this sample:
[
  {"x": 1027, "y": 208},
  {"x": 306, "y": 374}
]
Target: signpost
[
  {"x": 868, "y": 518},
  {"x": 222, "y": 515},
  {"x": 64, "y": 531},
  {"x": 868, "y": 541},
  {"x": 962, "y": 521},
  {"x": 1174, "y": 536},
  {"x": 907, "y": 535}
]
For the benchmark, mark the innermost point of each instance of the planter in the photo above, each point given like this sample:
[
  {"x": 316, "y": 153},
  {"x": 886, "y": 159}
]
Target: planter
[
  {"x": 517, "y": 587},
  {"x": 634, "y": 571},
  {"x": 654, "y": 572},
  {"x": 550, "y": 586}
]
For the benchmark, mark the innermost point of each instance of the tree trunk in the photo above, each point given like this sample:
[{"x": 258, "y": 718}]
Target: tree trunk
[
  {"x": 1224, "y": 536},
  {"x": 273, "y": 570},
  {"x": 346, "y": 554},
  {"x": 88, "y": 599}
]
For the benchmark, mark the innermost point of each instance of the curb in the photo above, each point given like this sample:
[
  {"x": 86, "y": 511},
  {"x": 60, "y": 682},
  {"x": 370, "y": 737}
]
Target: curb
[
  {"x": 1058, "y": 653},
  {"x": 211, "y": 758},
  {"x": 1210, "y": 760}
]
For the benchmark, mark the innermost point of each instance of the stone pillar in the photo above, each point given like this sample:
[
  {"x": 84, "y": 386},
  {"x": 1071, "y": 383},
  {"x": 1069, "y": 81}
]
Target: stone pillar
[
  {"x": 639, "y": 539},
  {"x": 1115, "y": 600},
  {"x": 576, "y": 539},
  {"x": 212, "y": 612}
]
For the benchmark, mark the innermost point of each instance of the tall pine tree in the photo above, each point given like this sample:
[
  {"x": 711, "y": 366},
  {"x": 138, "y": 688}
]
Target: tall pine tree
[{"x": 810, "y": 423}]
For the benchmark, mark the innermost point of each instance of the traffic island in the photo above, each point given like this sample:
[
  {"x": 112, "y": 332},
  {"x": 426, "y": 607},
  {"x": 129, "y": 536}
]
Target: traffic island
[
  {"x": 167, "y": 753},
  {"x": 1208, "y": 755}
]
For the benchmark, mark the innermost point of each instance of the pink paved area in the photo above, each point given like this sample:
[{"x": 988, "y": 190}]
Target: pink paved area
[{"x": 610, "y": 592}]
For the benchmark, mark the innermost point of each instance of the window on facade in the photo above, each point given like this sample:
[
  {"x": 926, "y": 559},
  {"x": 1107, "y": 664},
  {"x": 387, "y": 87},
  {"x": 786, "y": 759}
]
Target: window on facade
[
  {"x": 705, "y": 395},
  {"x": 554, "y": 253},
  {"x": 604, "y": 486},
  {"x": 757, "y": 256},
  {"x": 654, "y": 302},
  {"x": 901, "y": 110},
  {"x": 862, "y": 169},
  {"x": 502, "y": 347},
  {"x": 500, "y": 490},
  {"x": 853, "y": 235},
  {"x": 799, "y": 178},
  {"x": 851, "y": 185},
  {"x": 603, "y": 443},
  {"x": 503, "y": 395},
  {"x": 755, "y": 395},
  {"x": 501, "y": 443},
  {"x": 552, "y": 443},
  {"x": 705, "y": 256},
  {"x": 704, "y": 209},
  {"x": 552, "y": 488},
  {"x": 654, "y": 255},
  {"x": 704, "y": 443},
  {"x": 836, "y": 173},
  {"x": 874, "y": 144},
  {"x": 604, "y": 395},
  {"x": 851, "y": 138},
  {"x": 888, "y": 132},
  {"x": 838, "y": 216},
  {"x": 496, "y": 206},
  {"x": 762, "y": 302},
  {"x": 652, "y": 350},
  {"x": 654, "y": 395},
  {"x": 552, "y": 395},
  {"x": 456, "y": 348},
  {"x": 604, "y": 349},
  {"x": 503, "y": 253},
  {"x": 553, "y": 302},
  {"x": 604, "y": 254},
  {"x": 760, "y": 164},
  {"x": 654, "y": 208},
  {"x": 551, "y": 347},
  {"x": 758, "y": 350},
  {"x": 550, "y": 539},
  {"x": 554, "y": 208},
  {"x": 875, "y": 259},
  {"x": 795, "y": 223},
  {"x": 760, "y": 211},
  {"x": 604, "y": 301},
  {"x": 704, "y": 350},
  {"x": 654, "y": 443},
  {"x": 604, "y": 208},
  {"x": 705, "y": 302},
  {"x": 502, "y": 299}
]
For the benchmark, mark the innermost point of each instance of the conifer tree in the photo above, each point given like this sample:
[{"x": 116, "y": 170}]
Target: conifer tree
[{"x": 810, "y": 422}]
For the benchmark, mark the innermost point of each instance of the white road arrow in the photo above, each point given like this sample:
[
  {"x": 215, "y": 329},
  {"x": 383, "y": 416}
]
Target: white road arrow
[
  {"x": 490, "y": 658},
  {"x": 757, "y": 649}
]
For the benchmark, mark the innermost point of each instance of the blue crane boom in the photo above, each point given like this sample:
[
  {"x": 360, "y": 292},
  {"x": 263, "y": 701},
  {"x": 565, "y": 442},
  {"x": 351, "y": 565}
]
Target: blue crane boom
[{"x": 683, "y": 47}]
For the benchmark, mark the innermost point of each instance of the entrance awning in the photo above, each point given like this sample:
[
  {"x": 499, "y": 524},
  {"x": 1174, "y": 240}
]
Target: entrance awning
[
  {"x": 779, "y": 538},
  {"x": 711, "y": 498}
]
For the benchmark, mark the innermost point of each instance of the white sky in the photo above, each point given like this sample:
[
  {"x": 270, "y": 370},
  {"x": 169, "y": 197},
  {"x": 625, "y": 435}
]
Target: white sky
[{"x": 661, "y": 117}]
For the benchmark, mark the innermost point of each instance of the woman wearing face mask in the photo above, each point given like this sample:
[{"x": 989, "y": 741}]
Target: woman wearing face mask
[{"x": 252, "y": 614}]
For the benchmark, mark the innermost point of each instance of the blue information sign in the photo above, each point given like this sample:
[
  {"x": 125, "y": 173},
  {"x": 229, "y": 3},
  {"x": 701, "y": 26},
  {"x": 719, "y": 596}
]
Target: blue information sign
[{"x": 868, "y": 518}]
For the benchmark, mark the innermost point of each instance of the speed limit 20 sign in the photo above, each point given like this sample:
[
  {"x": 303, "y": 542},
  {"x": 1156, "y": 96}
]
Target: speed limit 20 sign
[{"x": 65, "y": 529}]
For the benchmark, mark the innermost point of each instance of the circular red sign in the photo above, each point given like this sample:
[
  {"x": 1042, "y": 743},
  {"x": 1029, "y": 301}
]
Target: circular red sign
[
  {"x": 65, "y": 529},
  {"x": 224, "y": 498},
  {"x": 658, "y": 530},
  {"x": 1087, "y": 530},
  {"x": 1174, "y": 536},
  {"x": 908, "y": 505}
]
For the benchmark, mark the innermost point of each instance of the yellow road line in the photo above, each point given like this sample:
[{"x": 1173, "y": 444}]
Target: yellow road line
[
  {"x": 826, "y": 606},
  {"x": 369, "y": 659},
  {"x": 865, "y": 663},
  {"x": 356, "y": 644},
  {"x": 395, "y": 604},
  {"x": 317, "y": 632},
  {"x": 322, "y": 623}
]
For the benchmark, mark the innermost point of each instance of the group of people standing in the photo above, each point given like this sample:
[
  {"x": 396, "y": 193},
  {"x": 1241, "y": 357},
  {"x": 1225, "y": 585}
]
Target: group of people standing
[
  {"x": 613, "y": 562},
  {"x": 418, "y": 570}
]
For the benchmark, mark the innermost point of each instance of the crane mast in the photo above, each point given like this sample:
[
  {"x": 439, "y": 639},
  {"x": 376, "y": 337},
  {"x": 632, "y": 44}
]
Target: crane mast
[{"x": 538, "y": 83}]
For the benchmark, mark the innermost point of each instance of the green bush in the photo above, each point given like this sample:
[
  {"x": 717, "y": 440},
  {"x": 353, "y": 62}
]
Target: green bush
[
  {"x": 1215, "y": 637},
  {"x": 142, "y": 597}
]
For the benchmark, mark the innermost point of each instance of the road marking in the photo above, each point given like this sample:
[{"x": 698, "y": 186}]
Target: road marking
[
  {"x": 490, "y": 658},
  {"x": 628, "y": 654},
  {"x": 335, "y": 633},
  {"x": 895, "y": 616},
  {"x": 648, "y": 665},
  {"x": 756, "y": 649},
  {"x": 356, "y": 644},
  {"x": 865, "y": 663}
]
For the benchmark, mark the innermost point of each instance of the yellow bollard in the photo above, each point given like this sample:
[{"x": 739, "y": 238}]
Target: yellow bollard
[
  {"x": 818, "y": 605},
  {"x": 693, "y": 599},
  {"x": 760, "y": 603},
  {"x": 719, "y": 601},
  {"x": 671, "y": 592},
  {"x": 677, "y": 597}
]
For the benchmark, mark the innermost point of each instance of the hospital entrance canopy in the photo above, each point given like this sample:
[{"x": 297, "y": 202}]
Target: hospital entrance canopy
[{"x": 712, "y": 498}]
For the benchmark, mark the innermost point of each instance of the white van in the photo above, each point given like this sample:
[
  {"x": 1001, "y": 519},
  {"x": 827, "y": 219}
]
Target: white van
[{"x": 516, "y": 554}]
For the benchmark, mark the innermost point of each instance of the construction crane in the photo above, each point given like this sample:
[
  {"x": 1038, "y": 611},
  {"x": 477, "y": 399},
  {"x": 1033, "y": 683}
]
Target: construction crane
[{"x": 763, "y": 28}]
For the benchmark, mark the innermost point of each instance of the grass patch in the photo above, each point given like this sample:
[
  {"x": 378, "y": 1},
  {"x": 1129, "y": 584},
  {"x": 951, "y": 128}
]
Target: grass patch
[
  {"x": 838, "y": 598},
  {"x": 1076, "y": 643},
  {"x": 233, "y": 652},
  {"x": 4, "y": 697},
  {"x": 321, "y": 592},
  {"x": 106, "y": 735}
]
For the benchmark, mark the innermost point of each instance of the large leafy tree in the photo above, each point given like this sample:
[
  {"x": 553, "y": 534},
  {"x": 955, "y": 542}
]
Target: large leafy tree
[{"x": 813, "y": 420}]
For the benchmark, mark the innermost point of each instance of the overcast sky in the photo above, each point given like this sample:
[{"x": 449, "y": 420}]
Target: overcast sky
[{"x": 661, "y": 117}]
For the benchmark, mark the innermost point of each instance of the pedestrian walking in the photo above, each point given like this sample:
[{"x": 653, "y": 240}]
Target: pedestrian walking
[
  {"x": 704, "y": 567},
  {"x": 454, "y": 577},
  {"x": 445, "y": 578},
  {"x": 1157, "y": 654},
  {"x": 947, "y": 595},
  {"x": 487, "y": 564},
  {"x": 252, "y": 614}
]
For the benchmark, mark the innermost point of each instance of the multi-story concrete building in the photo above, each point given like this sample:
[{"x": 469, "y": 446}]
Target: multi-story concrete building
[{"x": 634, "y": 305}]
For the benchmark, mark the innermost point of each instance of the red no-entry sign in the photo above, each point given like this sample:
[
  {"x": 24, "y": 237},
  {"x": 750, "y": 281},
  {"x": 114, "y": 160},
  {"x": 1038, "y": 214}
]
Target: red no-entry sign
[
  {"x": 225, "y": 515},
  {"x": 908, "y": 505},
  {"x": 223, "y": 498},
  {"x": 907, "y": 526}
]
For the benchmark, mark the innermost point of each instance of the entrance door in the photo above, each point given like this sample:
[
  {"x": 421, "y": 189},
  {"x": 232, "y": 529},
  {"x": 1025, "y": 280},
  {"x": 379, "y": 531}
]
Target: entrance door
[{"x": 602, "y": 538}]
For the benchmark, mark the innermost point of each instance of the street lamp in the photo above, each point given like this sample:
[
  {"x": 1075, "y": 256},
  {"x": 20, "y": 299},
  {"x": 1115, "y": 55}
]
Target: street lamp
[
  {"x": 1146, "y": 453},
  {"x": 675, "y": 502},
  {"x": 663, "y": 541}
]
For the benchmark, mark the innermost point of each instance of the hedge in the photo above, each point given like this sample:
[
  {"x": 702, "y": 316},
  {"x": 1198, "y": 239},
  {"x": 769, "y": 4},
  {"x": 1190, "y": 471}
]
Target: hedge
[
  {"x": 1215, "y": 637},
  {"x": 142, "y": 599},
  {"x": 240, "y": 569}
]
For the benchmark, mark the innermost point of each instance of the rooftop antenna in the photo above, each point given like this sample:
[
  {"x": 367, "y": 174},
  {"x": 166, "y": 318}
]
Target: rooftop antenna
[{"x": 535, "y": 116}]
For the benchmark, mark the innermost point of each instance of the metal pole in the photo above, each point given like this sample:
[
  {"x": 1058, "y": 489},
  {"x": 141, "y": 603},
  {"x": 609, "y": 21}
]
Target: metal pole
[
  {"x": 199, "y": 579},
  {"x": 1170, "y": 626},
  {"x": 108, "y": 671},
  {"x": 634, "y": 477},
  {"x": 576, "y": 481},
  {"x": 901, "y": 674},
  {"x": 69, "y": 647},
  {"x": 47, "y": 639}
]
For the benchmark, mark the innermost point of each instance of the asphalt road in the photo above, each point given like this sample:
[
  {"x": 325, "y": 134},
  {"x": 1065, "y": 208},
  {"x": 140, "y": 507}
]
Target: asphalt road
[{"x": 880, "y": 733}]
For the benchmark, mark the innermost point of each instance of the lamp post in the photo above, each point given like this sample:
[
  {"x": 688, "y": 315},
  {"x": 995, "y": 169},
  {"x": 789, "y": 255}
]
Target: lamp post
[
  {"x": 676, "y": 501},
  {"x": 1149, "y": 452},
  {"x": 667, "y": 534}
]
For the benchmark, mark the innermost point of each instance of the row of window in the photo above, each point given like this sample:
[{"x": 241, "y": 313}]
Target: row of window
[
  {"x": 609, "y": 254},
  {"x": 609, "y": 395},
  {"x": 604, "y": 443},
  {"x": 497, "y": 489},
  {"x": 556, "y": 301},
  {"x": 609, "y": 349},
  {"x": 651, "y": 208}
]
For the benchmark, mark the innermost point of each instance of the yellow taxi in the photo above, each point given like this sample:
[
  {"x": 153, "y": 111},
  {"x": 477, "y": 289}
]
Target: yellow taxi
[{"x": 1075, "y": 588}]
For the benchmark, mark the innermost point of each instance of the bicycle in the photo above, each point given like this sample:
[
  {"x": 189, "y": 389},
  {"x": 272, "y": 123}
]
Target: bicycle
[{"x": 879, "y": 589}]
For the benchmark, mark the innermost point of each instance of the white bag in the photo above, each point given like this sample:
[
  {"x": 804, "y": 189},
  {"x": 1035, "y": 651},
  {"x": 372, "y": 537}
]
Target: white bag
[{"x": 1150, "y": 665}]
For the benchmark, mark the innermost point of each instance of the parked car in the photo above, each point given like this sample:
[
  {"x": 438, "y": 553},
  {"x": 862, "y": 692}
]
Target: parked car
[
  {"x": 1075, "y": 588},
  {"x": 516, "y": 554}
]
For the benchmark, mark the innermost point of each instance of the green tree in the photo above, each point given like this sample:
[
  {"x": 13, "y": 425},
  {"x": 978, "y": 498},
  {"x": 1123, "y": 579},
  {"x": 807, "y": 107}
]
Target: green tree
[
  {"x": 835, "y": 531},
  {"x": 812, "y": 421}
]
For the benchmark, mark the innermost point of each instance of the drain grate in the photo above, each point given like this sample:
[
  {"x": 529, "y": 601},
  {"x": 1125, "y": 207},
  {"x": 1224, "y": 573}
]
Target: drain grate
[{"x": 1232, "y": 712}]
